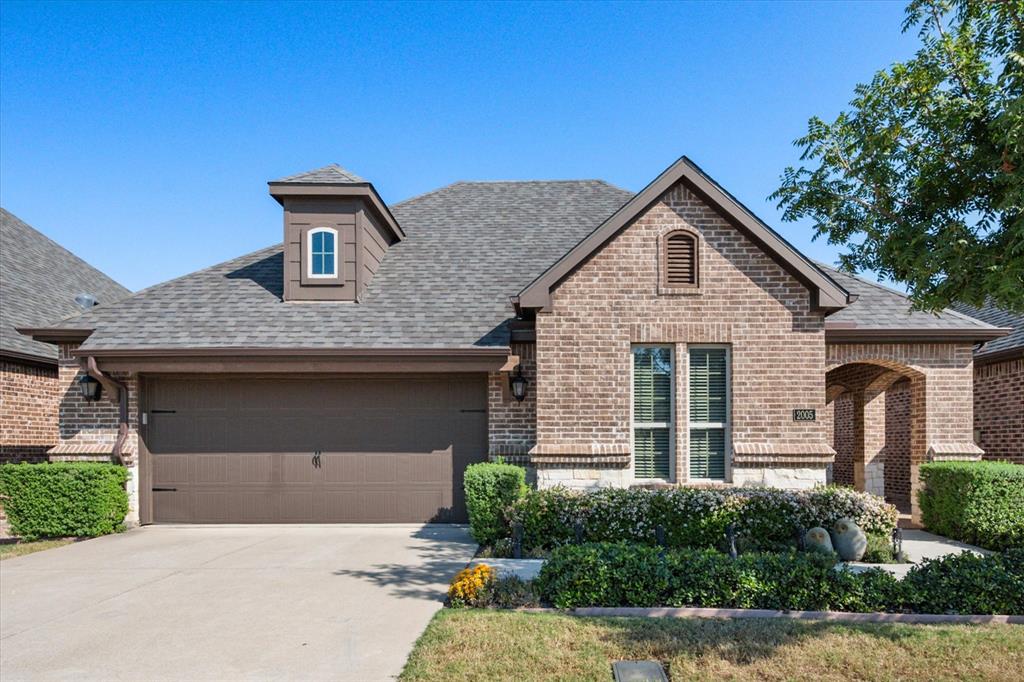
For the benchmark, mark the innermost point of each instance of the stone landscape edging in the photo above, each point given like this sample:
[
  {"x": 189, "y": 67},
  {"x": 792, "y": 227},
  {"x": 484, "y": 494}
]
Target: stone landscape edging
[{"x": 838, "y": 616}]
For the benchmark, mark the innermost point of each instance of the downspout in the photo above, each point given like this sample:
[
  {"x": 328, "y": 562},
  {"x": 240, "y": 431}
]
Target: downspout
[{"x": 112, "y": 384}]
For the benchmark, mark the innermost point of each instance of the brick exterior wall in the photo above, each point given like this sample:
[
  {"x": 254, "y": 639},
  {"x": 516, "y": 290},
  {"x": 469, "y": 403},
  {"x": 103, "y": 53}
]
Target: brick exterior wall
[
  {"x": 999, "y": 409},
  {"x": 745, "y": 300},
  {"x": 88, "y": 430},
  {"x": 29, "y": 398},
  {"x": 512, "y": 425},
  {"x": 842, "y": 440},
  {"x": 936, "y": 403},
  {"x": 897, "y": 444}
]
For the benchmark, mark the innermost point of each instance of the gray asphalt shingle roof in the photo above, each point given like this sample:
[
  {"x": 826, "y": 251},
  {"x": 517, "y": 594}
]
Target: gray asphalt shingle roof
[
  {"x": 878, "y": 307},
  {"x": 999, "y": 318},
  {"x": 330, "y": 174},
  {"x": 39, "y": 280},
  {"x": 469, "y": 246}
]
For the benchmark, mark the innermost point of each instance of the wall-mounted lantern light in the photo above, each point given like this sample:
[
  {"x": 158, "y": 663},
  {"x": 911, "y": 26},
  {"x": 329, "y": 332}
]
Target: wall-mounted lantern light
[
  {"x": 518, "y": 383},
  {"x": 90, "y": 388}
]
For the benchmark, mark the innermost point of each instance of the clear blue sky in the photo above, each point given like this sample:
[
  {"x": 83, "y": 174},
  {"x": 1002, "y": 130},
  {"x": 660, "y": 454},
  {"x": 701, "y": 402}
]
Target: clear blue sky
[{"x": 141, "y": 136}]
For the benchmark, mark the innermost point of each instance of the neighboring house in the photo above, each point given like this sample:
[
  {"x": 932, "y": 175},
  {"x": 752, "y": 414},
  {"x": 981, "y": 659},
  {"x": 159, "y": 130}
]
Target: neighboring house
[
  {"x": 39, "y": 280},
  {"x": 603, "y": 338},
  {"x": 999, "y": 386}
]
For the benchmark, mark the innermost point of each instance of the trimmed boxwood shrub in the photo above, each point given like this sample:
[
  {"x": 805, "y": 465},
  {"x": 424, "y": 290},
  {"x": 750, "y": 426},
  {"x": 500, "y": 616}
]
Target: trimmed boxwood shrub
[
  {"x": 765, "y": 518},
  {"x": 977, "y": 502},
  {"x": 621, "y": 574},
  {"x": 491, "y": 487},
  {"x": 73, "y": 499}
]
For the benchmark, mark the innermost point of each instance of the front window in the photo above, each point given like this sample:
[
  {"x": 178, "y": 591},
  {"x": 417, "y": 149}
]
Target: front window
[
  {"x": 323, "y": 252},
  {"x": 709, "y": 411},
  {"x": 653, "y": 412}
]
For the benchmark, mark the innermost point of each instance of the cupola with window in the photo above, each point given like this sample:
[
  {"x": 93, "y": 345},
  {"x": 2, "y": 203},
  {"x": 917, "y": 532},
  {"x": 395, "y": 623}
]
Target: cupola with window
[{"x": 337, "y": 231}]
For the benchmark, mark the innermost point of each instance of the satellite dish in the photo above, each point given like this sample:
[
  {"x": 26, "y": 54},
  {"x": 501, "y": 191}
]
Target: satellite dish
[{"x": 85, "y": 301}]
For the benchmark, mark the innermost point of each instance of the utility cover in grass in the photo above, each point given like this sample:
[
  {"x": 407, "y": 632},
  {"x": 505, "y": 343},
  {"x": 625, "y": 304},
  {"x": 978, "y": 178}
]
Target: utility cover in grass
[{"x": 638, "y": 671}]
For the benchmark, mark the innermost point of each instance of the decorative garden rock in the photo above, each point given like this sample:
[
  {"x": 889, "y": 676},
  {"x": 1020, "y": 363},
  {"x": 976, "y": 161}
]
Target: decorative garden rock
[
  {"x": 849, "y": 540},
  {"x": 818, "y": 540}
]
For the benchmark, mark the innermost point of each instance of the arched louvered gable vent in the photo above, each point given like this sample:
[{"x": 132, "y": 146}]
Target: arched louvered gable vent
[{"x": 680, "y": 260}]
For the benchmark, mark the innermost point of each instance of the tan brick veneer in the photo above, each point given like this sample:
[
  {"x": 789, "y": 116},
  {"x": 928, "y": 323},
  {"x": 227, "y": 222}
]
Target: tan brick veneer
[
  {"x": 29, "y": 396},
  {"x": 999, "y": 409},
  {"x": 745, "y": 300}
]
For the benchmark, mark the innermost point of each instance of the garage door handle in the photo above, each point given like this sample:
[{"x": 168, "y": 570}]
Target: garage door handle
[{"x": 165, "y": 490}]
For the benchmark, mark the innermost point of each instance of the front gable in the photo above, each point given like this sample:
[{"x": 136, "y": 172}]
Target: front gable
[{"x": 825, "y": 294}]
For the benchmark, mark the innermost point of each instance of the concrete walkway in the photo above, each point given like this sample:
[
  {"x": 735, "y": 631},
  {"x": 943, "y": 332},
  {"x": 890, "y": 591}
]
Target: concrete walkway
[
  {"x": 226, "y": 603},
  {"x": 920, "y": 545}
]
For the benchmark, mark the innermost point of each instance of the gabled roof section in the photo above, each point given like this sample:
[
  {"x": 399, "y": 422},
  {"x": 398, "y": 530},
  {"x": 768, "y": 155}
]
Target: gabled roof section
[
  {"x": 879, "y": 313},
  {"x": 1011, "y": 345},
  {"x": 334, "y": 181},
  {"x": 826, "y": 294},
  {"x": 329, "y": 174},
  {"x": 39, "y": 280},
  {"x": 444, "y": 287}
]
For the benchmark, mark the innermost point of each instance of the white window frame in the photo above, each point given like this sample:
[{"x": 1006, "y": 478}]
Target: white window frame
[
  {"x": 671, "y": 424},
  {"x": 726, "y": 426},
  {"x": 309, "y": 252}
]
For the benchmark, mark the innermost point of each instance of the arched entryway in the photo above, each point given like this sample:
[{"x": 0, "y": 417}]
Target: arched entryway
[
  {"x": 894, "y": 406},
  {"x": 872, "y": 427}
]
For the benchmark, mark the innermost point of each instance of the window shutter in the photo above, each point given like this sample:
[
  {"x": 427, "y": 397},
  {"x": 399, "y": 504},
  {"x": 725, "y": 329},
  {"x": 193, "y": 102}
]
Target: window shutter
[
  {"x": 652, "y": 385},
  {"x": 680, "y": 260},
  {"x": 651, "y": 453},
  {"x": 708, "y": 392},
  {"x": 707, "y": 453},
  {"x": 707, "y": 385},
  {"x": 652, "y": 412}
]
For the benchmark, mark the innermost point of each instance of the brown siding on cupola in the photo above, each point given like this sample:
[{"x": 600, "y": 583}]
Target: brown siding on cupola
[{"x": 303, "y": 215}]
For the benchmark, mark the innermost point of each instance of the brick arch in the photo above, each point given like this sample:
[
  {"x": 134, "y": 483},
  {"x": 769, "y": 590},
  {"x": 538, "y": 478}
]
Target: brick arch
[{"x": 833, "y": 391}]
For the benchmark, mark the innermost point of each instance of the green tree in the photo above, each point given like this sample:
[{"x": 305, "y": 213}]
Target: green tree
[{"x": 923, "y": 177}]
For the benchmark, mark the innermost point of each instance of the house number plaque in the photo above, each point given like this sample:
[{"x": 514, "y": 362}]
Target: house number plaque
[{"x": 803, "y": 415}]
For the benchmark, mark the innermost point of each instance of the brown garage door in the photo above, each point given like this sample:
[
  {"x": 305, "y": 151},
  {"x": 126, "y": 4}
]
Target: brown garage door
[{"x": 313, "y": 450}]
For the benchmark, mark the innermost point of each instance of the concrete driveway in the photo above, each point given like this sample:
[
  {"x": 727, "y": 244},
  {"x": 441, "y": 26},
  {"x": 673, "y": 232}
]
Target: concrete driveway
[{"x": 227, "y": 602}]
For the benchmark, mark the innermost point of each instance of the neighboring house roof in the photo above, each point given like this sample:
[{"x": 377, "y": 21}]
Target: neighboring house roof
[
  {"x": 878, "y": 311},
  {"x": 825, "y": 293},
  {"x": 469, "y": 246},
  {"x": 39, "y": 280},
  {"x": 1008, "y": 346}
]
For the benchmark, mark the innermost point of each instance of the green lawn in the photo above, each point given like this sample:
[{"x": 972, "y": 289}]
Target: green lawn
[
  {"x": 9, "y": 551},
  {"x": 498, "y": 645}
]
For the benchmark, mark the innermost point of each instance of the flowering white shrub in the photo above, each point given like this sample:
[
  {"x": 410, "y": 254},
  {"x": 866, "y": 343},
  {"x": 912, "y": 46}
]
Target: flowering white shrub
[{"x": 692, "y": 517}]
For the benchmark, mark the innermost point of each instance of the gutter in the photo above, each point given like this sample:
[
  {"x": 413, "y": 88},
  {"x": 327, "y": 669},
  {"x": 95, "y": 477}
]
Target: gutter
[
  {"x": 112, "y": 384},
  {"x": 837, "y": 334}
]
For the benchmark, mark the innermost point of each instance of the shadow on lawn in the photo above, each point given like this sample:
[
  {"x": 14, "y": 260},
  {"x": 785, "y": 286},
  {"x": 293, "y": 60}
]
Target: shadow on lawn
[
  {"x": 440, "y": 551},
  {"x": 740, "y": 642}
]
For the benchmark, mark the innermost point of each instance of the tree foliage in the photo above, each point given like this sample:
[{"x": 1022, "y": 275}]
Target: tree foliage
[{"x": 922, "y": 178}]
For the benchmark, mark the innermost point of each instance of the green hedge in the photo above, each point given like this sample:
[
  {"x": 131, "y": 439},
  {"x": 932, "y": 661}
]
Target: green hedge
[
  {"x": 977, "y": 502},
  {"x": 765, "y": 518},
  {"x": 620, "y": 574},
  {"x": 491, "y": 487},
  {"x": 81, "y": 499}
]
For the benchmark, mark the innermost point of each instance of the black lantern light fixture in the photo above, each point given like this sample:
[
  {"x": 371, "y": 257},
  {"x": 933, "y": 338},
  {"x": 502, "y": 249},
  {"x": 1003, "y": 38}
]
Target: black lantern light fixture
[
  {"x": 90, "y": 388},
  {"x": 518, "y": 383}
]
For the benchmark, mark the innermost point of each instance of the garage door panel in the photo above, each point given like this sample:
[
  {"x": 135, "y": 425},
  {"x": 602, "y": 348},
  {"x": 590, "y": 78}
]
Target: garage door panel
[
  {"x": 172, "y": 470},
  {"x": 296, "y": 468},
  {"x": 255, "y": 469},
  {"x": 242, "y": 450}
]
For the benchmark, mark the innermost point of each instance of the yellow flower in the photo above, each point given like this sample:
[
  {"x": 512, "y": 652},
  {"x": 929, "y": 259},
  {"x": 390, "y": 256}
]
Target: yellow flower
[{"x": 466, "y": 587}]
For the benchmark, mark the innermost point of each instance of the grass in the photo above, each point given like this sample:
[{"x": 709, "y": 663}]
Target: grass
[
  {"x": 11, "y": 550},
  {"x": 497, "y": 645}
]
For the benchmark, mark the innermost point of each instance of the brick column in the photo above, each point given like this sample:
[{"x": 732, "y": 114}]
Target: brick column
[{"x": 869, "y": 441}]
